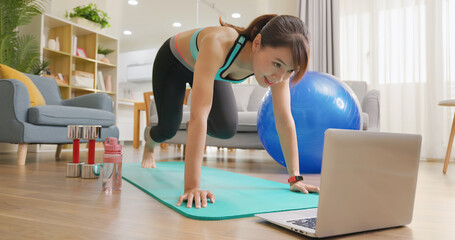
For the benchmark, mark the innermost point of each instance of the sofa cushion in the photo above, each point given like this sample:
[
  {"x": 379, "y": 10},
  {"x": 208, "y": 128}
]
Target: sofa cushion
[
  {"x": 65, "y": 115},
  {"x": 247, "y": 122},
  {"x": 36, "y": 98},
  {"x": 365, "y": 120}
]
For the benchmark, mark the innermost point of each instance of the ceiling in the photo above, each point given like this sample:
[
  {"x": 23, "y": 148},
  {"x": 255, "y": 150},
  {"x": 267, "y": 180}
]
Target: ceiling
[{"x": 151, "y": 20}]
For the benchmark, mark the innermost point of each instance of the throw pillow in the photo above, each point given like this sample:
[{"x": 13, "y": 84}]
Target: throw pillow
[{"x": 36, "y": 99}]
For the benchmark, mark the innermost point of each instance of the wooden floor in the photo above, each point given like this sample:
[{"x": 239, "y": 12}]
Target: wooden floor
[{"x": 37, "y": 201}]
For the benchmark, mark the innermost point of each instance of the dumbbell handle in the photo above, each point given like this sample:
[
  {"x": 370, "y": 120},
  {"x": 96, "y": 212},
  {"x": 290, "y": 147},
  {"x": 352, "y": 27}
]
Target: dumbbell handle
[
  {"x": 76, "y": 150},
  {"x": 91, "y": 151}
]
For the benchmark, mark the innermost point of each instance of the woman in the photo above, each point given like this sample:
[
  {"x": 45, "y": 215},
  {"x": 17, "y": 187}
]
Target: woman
[{"x": 272, "y": 48}]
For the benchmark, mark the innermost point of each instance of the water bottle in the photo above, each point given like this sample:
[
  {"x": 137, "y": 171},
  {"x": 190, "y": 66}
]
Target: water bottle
[{"x": 112, "y": 165}]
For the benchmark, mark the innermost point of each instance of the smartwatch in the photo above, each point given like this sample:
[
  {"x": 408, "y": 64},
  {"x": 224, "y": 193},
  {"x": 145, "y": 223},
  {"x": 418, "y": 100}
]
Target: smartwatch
[{"x": 295, "y": 179}]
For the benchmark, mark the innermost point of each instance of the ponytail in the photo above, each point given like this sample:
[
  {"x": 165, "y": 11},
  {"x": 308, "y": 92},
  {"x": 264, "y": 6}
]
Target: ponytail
[{"x": 253, "y": 29}]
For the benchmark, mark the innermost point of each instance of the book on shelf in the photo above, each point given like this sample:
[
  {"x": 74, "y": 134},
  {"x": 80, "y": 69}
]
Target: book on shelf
[
  {"x": 74, "y": 46},
  {"x": 100, "y": 82}
]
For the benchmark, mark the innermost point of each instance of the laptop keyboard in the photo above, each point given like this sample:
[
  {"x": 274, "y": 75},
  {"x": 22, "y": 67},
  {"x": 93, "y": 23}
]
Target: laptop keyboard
[{"x": 305, "y": 222}]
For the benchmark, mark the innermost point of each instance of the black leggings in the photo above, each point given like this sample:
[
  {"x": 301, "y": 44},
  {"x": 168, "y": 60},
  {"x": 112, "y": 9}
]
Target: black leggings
[{"x": 169, "y": 87}]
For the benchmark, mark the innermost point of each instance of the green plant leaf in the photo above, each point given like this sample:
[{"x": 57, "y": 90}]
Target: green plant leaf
[
  {"x": 105, "y": 51},
  {"x": 18, "y": 52},
  {"x": 28, "y": 53},
  {"x": 7, "y": 48},
  {"x": 92, "y": 13},
  {"x": 38, "y": 67}
]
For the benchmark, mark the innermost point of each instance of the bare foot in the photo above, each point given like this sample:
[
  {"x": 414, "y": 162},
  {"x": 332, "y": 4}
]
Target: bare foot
[{"x": 148, "y": 160}]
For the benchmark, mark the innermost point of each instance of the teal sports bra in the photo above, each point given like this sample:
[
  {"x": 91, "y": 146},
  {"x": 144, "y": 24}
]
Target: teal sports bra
[{"x": 233, "y": 53}]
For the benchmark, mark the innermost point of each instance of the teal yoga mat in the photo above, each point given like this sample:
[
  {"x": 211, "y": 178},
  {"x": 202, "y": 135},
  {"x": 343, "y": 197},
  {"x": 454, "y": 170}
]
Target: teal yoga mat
[{"x": 237, "y": 195}]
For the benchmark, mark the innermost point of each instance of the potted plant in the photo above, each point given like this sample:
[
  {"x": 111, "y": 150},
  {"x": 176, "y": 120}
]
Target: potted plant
[
  {"x": 95, "y": 16},
  {"x": 102, "y": 53},
  {"x": 21, "y": 52}
]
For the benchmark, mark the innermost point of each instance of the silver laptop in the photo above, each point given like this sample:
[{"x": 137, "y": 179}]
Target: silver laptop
[{"x": 368, "y": 182}]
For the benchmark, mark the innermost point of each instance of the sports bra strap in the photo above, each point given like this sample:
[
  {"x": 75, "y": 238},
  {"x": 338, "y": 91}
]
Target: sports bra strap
[
  {"x": 233, "y": 53},
  {"x": 193, "y": 44}
]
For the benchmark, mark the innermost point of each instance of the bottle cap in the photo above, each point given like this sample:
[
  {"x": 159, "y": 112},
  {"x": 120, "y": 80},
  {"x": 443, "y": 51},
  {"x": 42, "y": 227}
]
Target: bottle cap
[{"x": 111, "y": 145}]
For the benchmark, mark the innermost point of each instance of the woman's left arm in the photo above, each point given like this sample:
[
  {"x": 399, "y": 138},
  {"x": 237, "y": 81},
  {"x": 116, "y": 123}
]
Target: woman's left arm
[{"x": 285, "y": 126}]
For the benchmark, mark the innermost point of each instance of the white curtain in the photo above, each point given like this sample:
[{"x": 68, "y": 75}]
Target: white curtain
[
  {"x": 405, "y": 49},
  {"x": 322, "y": 18}
]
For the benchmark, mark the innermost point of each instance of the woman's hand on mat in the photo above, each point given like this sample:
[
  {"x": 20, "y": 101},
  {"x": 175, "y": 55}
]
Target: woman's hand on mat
[
  {"x": 197, "y": 196},
  {"x": 299, "y": 186}
]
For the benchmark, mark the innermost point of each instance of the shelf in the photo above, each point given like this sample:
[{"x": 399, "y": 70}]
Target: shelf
[
  {"x": 110, "y": 93},
  {"x": 83, "y": 89},
  {"x": 52, "y": 53},
  {"x": 82, "y": 59},
  {"x": 63, "y": 85},
  {"x": 105, "y": 65},
  {"x": 129, "y": 100}
]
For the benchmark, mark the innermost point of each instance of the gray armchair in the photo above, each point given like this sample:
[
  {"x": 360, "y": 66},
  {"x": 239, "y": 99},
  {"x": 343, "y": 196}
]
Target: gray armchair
[{"x": 23, "y": 125}]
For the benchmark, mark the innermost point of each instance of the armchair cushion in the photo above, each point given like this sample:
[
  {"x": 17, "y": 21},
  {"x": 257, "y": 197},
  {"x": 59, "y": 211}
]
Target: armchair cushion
[
  {"x": 100, "y": 101},
  {"x": 65, "y": 115},
  {"x": 48, "y": 88},
  {"x": 36, "y": 99}
]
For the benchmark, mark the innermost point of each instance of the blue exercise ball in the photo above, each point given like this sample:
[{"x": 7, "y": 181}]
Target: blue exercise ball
[{"x": 318, "y": 102}]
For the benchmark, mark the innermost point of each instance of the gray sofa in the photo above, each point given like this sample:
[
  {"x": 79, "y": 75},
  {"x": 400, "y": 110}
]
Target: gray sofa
[
  {"x": 369, "y": 102},
  {"x": 249, "y": 97},
  {"x": 23, "y": 125}
]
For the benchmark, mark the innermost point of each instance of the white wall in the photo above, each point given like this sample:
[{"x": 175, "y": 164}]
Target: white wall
[
  {"x": 134, "y": 57},
  {"x": 125, "y": 109}
]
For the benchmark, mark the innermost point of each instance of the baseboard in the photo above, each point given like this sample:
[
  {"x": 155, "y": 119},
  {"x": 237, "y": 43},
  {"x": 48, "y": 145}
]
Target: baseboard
[{"x": 436, "y": 160}]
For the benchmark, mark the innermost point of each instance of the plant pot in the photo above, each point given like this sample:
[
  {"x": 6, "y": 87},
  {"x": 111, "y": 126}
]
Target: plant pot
[
  {"x": 100, "y": 56},
  {"x": 86, "y": 23},
  {"x": 105, "y": 60}
]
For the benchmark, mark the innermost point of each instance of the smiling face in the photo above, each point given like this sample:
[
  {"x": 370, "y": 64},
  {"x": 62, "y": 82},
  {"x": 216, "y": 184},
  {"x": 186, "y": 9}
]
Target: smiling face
[{"x": 271, "y": 65}]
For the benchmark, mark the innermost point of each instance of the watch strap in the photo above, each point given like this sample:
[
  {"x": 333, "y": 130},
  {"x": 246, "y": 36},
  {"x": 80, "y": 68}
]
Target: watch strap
[{"x": 295, "y": 179}]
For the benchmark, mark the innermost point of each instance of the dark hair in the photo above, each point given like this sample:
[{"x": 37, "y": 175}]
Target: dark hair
[{"x": 281, "y": 31}]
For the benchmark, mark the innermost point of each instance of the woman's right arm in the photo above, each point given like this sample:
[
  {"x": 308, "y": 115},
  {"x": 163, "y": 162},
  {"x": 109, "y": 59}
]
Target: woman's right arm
[{"x": 209, "y": 60}]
